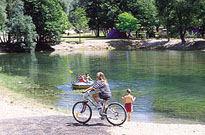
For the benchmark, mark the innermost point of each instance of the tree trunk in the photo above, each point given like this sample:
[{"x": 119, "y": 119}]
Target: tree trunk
[
  {"x": 182, "y": 35},
  {"x": 157, "y": 28},
  {"x": 79, "y": 37},
  {"x": 9, "y": 38},
  {"x": 181, "y": 30},
  {"x": 202, "y": 32},
  {"x": 136, "y": 34},
  {"x": 168, "y": 37},
  {"x": 98, "y": 29}
]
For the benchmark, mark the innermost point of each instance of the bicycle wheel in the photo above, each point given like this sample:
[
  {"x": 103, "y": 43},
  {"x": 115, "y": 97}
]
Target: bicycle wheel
[
  {"x": 116, "y": 114},
  {"x": 82, "y": 112}
]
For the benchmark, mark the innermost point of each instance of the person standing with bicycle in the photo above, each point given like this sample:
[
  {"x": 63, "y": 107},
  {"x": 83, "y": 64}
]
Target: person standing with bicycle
[{"x": 105, "y": 92}]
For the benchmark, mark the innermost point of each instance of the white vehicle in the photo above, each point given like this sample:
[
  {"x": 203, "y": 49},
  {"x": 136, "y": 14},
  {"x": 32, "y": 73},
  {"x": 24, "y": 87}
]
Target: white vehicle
[{"x": 68, "y": 32}]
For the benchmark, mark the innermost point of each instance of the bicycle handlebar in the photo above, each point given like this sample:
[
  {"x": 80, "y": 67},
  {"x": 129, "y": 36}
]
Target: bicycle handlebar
[{"x": 86, "y": 94}]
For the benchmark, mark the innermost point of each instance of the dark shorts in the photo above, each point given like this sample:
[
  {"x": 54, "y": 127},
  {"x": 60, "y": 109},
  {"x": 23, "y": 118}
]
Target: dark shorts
[
  {"x": 103, "y": 96},
  {"x": 128, "y": 107}
]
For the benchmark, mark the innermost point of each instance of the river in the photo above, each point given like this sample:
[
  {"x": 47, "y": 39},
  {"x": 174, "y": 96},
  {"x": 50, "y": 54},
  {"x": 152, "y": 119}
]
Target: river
[{"x": 169, "y": 85}]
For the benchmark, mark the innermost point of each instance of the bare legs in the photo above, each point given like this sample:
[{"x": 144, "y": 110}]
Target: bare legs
[
  {"x": 129, "y": 115},
  {"x": 95, "y": 97}
]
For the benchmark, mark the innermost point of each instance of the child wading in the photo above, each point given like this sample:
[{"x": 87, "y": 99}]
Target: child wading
[{"x": 128, "y": 99}]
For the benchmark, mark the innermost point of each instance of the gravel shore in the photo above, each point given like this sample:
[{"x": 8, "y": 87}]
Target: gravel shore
[
  {"x": 21, "y": 116},
  {"x": 124, "y": 44}
]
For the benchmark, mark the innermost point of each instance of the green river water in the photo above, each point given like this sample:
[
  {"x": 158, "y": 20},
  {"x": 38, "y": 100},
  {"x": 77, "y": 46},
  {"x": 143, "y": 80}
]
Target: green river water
[{"x": 169, "y": 85}]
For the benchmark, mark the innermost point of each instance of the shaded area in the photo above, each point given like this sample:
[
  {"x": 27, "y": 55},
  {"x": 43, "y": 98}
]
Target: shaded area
[{"x": 52, "y": 125}]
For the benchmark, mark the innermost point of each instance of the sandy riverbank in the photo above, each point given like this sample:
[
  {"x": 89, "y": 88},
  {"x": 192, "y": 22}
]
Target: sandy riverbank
[
  {"x": 150, "y": 44},
  {"x": 137, "y": 128},
  {"x": 16, "y": 107}
]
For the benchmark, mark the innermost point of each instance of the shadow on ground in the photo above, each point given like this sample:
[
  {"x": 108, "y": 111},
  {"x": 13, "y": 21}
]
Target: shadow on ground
[{"x": 52, "y": 125}]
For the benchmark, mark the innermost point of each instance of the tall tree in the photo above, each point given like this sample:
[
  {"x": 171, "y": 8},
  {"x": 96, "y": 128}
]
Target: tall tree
[
  {"x": 3, "y": 17},
  {"x": 80, "y": 21},
  {"x": 20, "y": 27},
  {"x": 49, "y": 18},
  {"x": 94, "y": 11},
  {"x": 165, "y": 13},
  {"x": 2, "y": 13},
  {"x": 178, "y": 15},
  {"x": 145, "y": 11}
]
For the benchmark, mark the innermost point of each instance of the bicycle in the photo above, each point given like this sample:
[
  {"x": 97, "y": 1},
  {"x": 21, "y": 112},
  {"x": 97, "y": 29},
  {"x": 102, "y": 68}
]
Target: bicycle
[{"x": 115, "y": 113}]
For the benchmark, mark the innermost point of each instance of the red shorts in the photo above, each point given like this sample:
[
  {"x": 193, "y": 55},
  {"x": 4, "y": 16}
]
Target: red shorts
[{"x": 128, "y": 107}]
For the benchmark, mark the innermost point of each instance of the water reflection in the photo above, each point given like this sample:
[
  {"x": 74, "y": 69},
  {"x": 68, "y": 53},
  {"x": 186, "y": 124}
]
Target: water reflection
[{"x": 150, "y": 74}]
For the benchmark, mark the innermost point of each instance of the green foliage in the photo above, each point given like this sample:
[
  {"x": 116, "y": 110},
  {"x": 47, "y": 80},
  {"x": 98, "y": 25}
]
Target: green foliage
[
  {"x": 145, "y": 11},
  {"x": 3, "y": 14},
  {"x": 190, "y": 35},
  {"x": 180, "y": 15},
  {"x": 49, "y": 18},
  {"x": 104, "y": 14},
  {"x": 94, "y": 11},
  {"x": 21, "y": 26},
  {"x": 80, "y": 21},
  {"x": 127, "y": 22},
  {"x": 66, "y": 5}
]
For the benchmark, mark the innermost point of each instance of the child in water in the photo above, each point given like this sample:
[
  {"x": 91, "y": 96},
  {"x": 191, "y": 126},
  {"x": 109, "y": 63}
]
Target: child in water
[{"x": 128, "y": 99}]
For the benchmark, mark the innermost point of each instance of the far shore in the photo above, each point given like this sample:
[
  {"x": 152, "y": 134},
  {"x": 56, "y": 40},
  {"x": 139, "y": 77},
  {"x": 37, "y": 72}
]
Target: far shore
[
  {"x": 15, "y": 106},
  {"x": 125, "y": 44}
]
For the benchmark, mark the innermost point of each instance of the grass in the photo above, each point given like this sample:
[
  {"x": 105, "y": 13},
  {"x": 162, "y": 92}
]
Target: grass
[
  {"x": 180, "y": 106},
  {"x": 84, "y": 37},
  {"x": 183, "y": 109}
]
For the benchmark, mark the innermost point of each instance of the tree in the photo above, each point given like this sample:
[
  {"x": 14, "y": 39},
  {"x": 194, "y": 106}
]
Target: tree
[
  {"x": 93, "y": 11},
  {"x": 179, "y": 15},
  {"x": 20, "y": 27},
  {"x": 3, "y": 14},
  {"x": 165, "y": 13},
  {"x": 66, "y": 5},
  {"x": 199, "y": 20},
  {"x": 49, "y": 18},
  {"x": 127, "y": 22},
  {"x": 80, "y": 21},
  {"x": 3, "y": 17},
  {"x": 109, "y": 15},
  {"x": 145, "y": 11}
]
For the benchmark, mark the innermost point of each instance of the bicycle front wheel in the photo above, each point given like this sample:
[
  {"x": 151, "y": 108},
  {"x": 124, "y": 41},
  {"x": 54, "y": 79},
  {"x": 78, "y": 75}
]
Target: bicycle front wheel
[
  {"x": 82, "y": 112},
  {"x": 116, "y": 114}
]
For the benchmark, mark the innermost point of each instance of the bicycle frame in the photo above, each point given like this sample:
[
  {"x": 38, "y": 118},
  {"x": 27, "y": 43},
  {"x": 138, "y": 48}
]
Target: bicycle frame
[
  {"x": 88, "y": 99},
  {"x": 111, "y": 111}
]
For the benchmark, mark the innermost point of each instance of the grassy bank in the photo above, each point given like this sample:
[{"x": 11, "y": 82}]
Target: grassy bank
[
  {"x": 179, "y": 106},
  {"x": 83, "y": 37}
]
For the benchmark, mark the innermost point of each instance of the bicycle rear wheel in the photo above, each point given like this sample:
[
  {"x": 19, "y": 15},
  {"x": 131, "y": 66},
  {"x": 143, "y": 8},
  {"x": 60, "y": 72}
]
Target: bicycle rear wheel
[
  {"x": 82, "y": 112},
  {"x": 116, "y": 114}
]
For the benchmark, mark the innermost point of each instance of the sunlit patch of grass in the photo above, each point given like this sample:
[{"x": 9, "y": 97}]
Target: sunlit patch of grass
[
  {"x": 83, "y": 37},
  {"x": 177, "y": 105}
]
